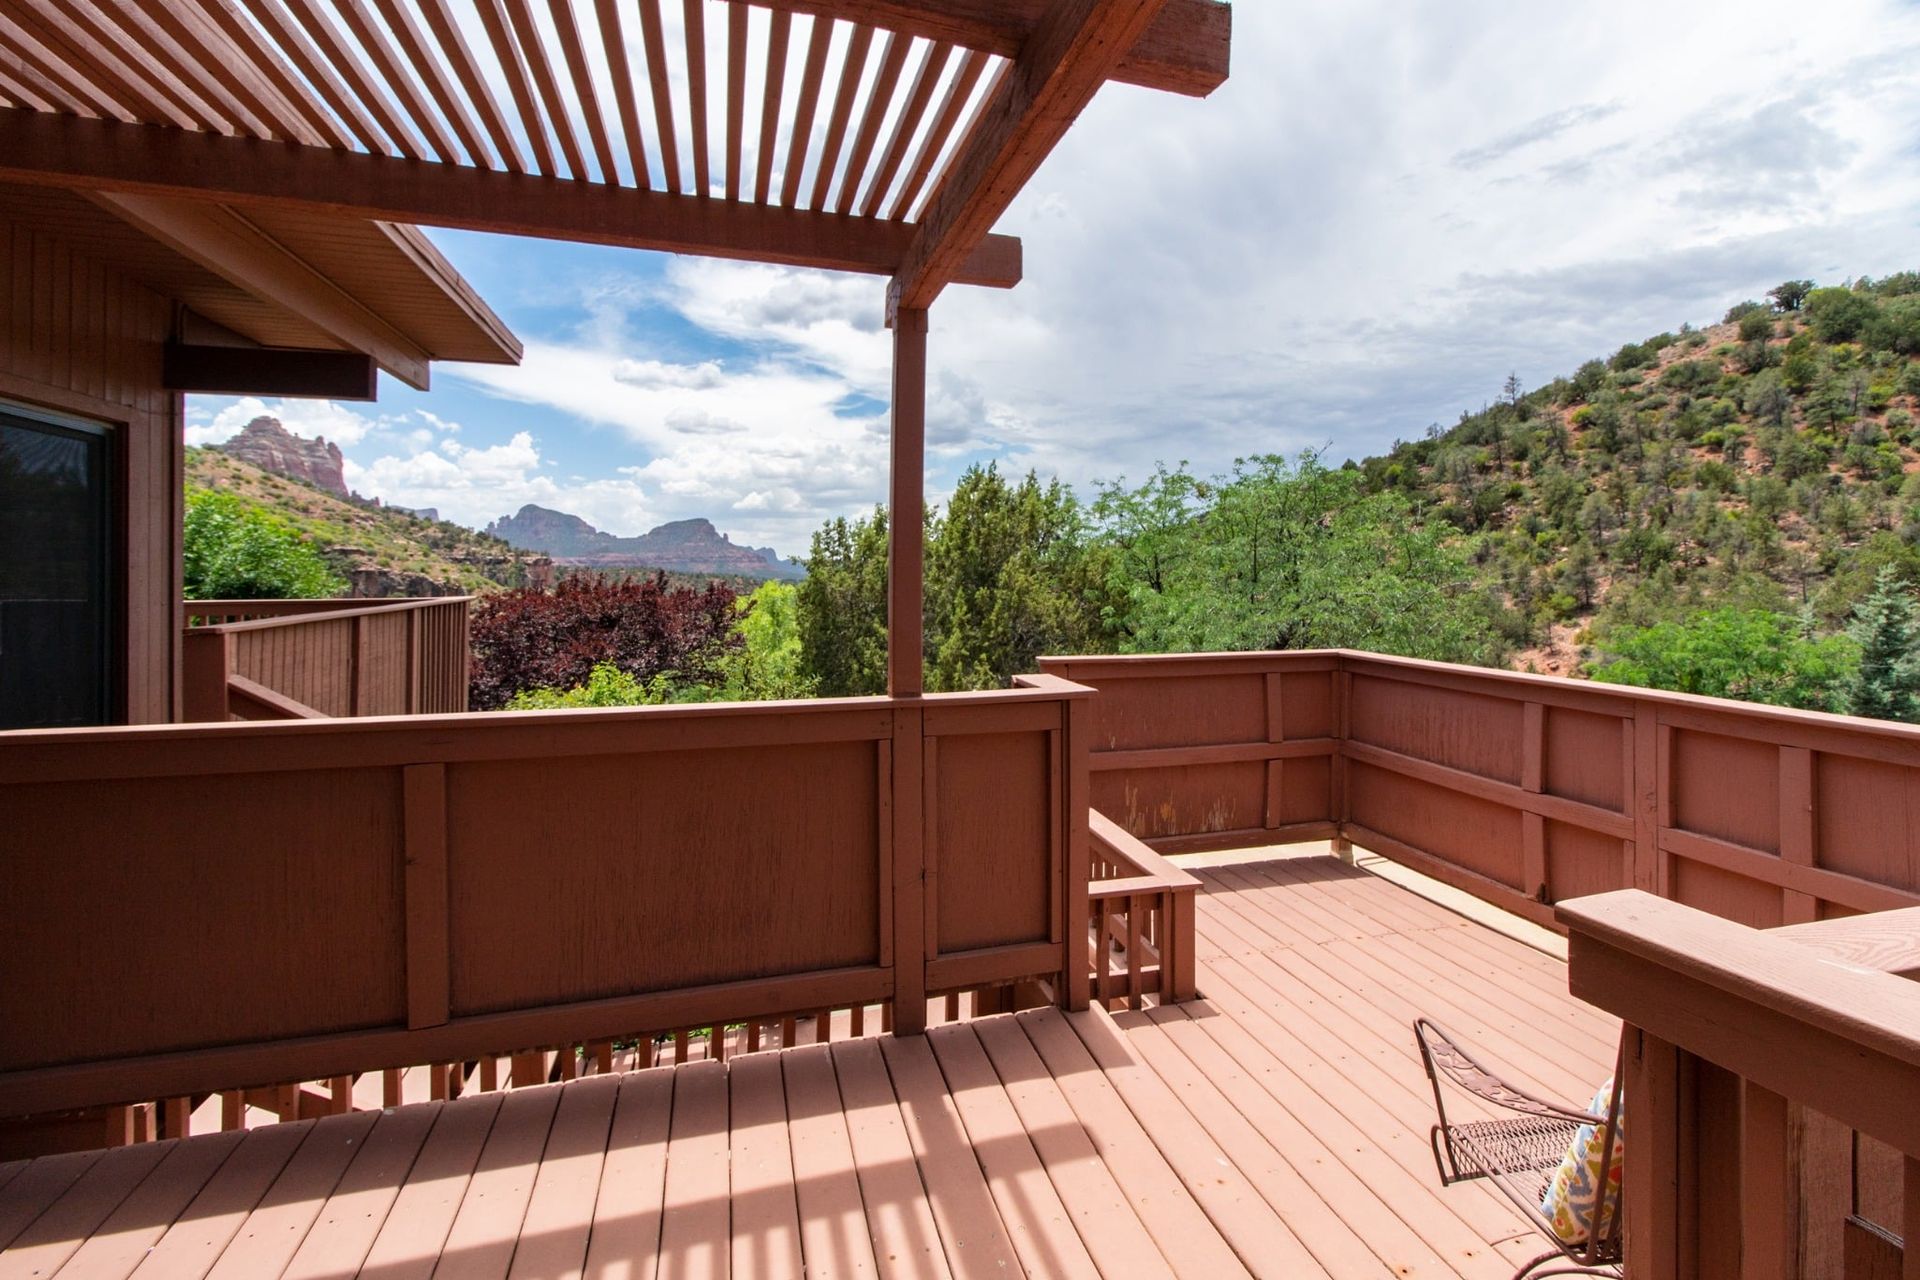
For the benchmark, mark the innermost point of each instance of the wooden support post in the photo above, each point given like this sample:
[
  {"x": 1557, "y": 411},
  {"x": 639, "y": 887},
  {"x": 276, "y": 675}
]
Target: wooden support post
[
  {"x": 906, "y": 506},
  {"x": 1769, "y": 1238},
  {"x": 1651, "y": 1185},
  {"x": 1076, "y": 798},
  {"x": 429, "y": 981},
  {"x": 1533, "y": 779},
  {"x": 1910, "y": 1269},
  {"x": 1797, "y": 831},
  {"x": 1645, "y": 793},
  {"x": 206, "y": 656}
]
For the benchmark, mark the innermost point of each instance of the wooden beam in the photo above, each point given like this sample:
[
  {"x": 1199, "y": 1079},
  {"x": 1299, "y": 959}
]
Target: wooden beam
[
  {"x": 50, "y": 150},
  {"x": 1184, "y": 51},
  {"x": 906, "y": 504},
  {"x": 225, "y": 243},
  {"x": 1062, "y": 65},
  {"x": 267, "y": 371}
]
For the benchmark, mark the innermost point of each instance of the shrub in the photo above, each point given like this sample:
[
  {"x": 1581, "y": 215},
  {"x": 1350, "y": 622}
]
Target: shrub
[
  {"x": 529, "y": 639},
  {"x": 1756, "y": 325},
  {"x": 234, "y": 550}
]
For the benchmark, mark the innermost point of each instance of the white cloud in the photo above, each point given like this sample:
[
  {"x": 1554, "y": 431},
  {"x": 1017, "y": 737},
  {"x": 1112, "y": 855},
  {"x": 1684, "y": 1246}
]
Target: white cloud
[
  {"x": 1380, "y": 215},
  {"x": 310, "y": 418}
]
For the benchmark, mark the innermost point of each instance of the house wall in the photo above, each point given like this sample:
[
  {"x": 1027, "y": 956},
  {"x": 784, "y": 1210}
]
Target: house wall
[{"x": 79, "y": 338}]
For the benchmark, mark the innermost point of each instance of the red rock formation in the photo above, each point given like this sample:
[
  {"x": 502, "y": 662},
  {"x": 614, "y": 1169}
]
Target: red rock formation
[{"x": 266, "y": 444}]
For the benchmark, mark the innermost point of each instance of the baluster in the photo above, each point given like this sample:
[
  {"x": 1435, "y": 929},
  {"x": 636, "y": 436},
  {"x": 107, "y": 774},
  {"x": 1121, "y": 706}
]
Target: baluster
[
  {"x": 717, "y": 1042},
  {"x": 1136, "y": 986},
  {"x": 176, "y": 1117},
  {"x": 233, "y": 1110},
  {"x": 390, "y": 1087},
  {"x": 679, "y": 1047},
  {"x": 953, "y": 1006},
  {"x": 823, "y": 1027}
]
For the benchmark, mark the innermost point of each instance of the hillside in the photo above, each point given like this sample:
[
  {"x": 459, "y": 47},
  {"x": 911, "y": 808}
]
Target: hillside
[
  {"x": 681, "y": 547},
  {"x": 382, "y": 551},
  {"x": 1771, "y": 460}
]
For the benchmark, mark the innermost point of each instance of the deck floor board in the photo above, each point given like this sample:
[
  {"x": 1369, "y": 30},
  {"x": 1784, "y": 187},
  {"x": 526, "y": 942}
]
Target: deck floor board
[{"x": 1277, "y": 1126}]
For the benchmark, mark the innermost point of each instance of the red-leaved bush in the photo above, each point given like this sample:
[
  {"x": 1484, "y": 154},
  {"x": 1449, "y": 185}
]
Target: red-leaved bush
[{"x": 529, "y": 639}]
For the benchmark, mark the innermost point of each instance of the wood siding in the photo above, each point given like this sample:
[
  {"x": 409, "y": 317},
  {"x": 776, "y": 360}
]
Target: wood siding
[{"x": 78, "y": 338}]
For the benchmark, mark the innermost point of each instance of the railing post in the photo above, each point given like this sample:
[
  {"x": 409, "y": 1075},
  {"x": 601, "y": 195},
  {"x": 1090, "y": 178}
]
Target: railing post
[
  {"x": 1077, "y": 715},
  {"x": 413, "y": 661},
  {"x": 356, "y": 664},
  {"x": 913, "y": 940},
  {"x": 1342, "y": 800},
  {"x": 206, "y": 658},
  {"x": 1644, "y": 795}
]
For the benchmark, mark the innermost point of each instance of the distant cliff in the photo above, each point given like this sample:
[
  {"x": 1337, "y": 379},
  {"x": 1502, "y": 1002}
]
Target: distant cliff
[
  {"x": 684, "y": 546},
  {"x": 265, "y": 444}
]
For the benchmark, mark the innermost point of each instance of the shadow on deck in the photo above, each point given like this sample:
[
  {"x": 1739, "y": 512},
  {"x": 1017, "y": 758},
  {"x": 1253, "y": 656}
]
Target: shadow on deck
[{"x": 1275, "y": 1127}]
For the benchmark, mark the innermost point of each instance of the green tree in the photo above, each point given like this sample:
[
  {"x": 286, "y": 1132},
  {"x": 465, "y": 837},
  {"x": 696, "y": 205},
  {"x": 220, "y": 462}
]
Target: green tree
[
  {"x": 1886, "y": 684},
  {"x": 235, "y": 550},
  {"x": 1754, "y": 655},
  {"x": 770, "y": 662},
  {"x": 1010, "y": 576},
  {"x": 607, "y": 686},
  {"x": 1280, "y": 554},
  {"x": 1789, "y": 296},
  {"x": 842, "y": 607}
]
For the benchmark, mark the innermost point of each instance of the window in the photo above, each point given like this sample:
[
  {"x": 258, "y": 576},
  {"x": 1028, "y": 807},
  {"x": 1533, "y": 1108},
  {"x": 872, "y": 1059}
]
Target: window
[{"x": 56, "y": 573}]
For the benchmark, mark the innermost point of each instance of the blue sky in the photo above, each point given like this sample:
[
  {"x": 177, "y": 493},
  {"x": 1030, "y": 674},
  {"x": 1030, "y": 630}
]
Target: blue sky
[{"x": 1382, "y": 213}]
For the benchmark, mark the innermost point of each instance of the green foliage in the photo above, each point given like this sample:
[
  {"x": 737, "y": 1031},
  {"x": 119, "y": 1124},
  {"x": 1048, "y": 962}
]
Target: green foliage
[
  {"x": 1287, "y": 556},
  {"x": 606, "y": 686},
  {"x": 768, "y": 664},
  {"x": 1886, "y": 684},
  {"x": 1791, "y": 295},
  {"x": 233, "y": 549},
  {"x": 1756, "y": 325},
  {"x": 842, "y": 607},
  {"x": 1010, "y": 576},
  {"x": 1739, "y": 311},
  {"x": 1751, "y": 654}
]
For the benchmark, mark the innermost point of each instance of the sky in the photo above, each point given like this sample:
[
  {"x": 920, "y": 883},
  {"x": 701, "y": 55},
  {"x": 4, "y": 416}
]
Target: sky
[{"x": 1385, "y": 211}]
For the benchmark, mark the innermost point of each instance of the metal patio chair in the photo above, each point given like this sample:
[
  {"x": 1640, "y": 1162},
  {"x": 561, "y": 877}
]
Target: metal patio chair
[{"x": 1520, "y": 1151}]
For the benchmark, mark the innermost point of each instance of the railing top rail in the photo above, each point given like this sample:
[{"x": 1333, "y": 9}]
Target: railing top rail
[
  {"x": 45, "y": 755},
  {"x": 1114, "y": 840},
  {"x": 359, "y": 609},
  {"x": 1876, "y": 1011}
]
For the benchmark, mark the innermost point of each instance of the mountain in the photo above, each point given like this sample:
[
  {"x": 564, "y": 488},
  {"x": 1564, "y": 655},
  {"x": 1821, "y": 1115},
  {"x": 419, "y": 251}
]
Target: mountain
[
  {"x": 382, "y": 551},
  {"x": 684, "y": 546},
  {"x": 1771, "y": 461},
  {"x": 266, "y": 444}
]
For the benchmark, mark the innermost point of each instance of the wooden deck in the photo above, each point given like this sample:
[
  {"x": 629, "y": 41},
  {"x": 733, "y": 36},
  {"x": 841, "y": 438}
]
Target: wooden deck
[{"x": 1276, "y": 1127}]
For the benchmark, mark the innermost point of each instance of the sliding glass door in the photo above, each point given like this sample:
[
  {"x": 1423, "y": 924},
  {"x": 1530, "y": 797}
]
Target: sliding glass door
[{"x": 56, "y": 573}]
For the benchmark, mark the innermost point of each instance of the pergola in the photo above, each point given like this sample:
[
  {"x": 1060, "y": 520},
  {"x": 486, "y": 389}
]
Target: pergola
[{"x": 878, "y": 136}]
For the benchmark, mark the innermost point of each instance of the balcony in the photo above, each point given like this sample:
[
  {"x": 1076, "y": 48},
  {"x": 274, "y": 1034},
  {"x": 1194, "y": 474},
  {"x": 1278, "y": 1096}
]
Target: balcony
[{"x": 653, "y": 976}]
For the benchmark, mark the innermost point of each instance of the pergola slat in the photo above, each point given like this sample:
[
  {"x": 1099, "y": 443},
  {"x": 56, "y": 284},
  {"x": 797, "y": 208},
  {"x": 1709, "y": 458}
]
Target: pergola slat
[
  {"x": 453, "y": 43},
  {"x": 452, "y": 103},
  {"x": 17, "y": 92},
  {"x": 1067, "y": 60},
  {"x": 959, "y": 89},
  {"x": 327, "y": 37},
  {"x": 51, "y": 73},
  {"x": 534, "y": 50},
  {"x": 493, "y": 17},
  {"x": 63, "y": 151},
  {"x": 84, "y": 49},
  {"x": 653, "y": 38},
  {"x": 188, "y": 69},
  {"x": 842, "y": 111},
  {"x": 318, "y": 71},
  {"x": 624, "y": 98},
  {"x": 924, "y": 83},
  {"x": 893, "y": 60},
  {"x": 778, "y": 34},
  {"x": 819, "y": 41},
  {"x": 736, "y": 93},
  {"x": 250, "y": 47},
  {"x": 694, "y": 13},
  {"x": 575, "y": 53},
  {"x": 398, "y": 77},
  {"x": 209, "y": 49}
]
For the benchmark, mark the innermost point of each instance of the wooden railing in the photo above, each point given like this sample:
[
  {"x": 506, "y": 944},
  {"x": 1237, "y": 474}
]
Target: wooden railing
[
  {"x": 1141, "y": 921},
  {"x": 1772, "y": 1090},
  {"x": 1525, "y": 790},
  {"x": 294, "y": 659},
  {"x": 472, "y": 886}
]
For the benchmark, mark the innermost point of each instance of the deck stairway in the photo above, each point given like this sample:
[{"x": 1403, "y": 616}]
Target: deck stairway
[{"x": 1276, "y": 1127}]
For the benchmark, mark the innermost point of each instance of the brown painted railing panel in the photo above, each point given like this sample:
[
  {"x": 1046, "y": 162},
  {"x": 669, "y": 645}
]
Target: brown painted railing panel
[
  {"x": 1750, "y": 1055},
  {"x": 331, "y": 657},
  {"x": 1140, "y": 920},
  {"x": 229, "y": 905},
  {"x": 1526, "y": 790}
]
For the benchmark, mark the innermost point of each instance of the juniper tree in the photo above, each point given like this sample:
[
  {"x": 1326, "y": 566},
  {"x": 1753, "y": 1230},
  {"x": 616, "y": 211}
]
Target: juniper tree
[{"x": 1887, "y": 685}]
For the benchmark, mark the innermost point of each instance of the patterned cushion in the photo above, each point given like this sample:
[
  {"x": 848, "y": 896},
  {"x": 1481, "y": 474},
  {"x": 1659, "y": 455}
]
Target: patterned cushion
[{"x": 1573, "y": 1195}]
